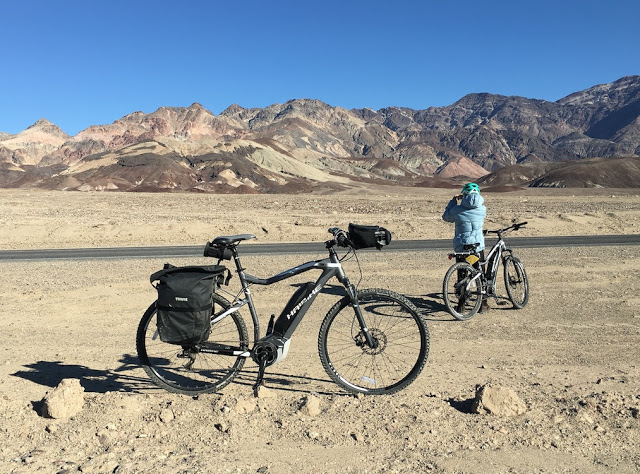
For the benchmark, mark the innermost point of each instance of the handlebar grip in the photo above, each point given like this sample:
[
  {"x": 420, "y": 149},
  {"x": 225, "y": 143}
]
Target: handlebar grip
[
  {"x": 342, "y": 239},
  {"x": 340, "y": 236}
]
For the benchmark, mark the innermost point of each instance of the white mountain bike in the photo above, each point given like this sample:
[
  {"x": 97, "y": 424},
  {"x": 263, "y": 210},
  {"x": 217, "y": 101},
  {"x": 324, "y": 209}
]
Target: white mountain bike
[{"x": 470, "y": 280}]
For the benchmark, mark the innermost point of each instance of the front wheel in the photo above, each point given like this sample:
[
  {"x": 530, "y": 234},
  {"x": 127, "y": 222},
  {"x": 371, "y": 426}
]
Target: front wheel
[
  {"x": 515, "y": 279},
  {"x": 400, "y": 343},
  {"x": 462, "y": 291},
  {"x": 187, "y": 370}
]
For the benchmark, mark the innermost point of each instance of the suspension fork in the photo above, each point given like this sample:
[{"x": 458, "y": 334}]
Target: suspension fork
[
  {"x": 353, "y": 297},
  {"x": 352, "y": 293}
]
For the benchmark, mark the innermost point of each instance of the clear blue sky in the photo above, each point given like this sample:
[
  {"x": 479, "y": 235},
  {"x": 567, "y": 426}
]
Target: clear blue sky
[{"x": 80, "y": 63}]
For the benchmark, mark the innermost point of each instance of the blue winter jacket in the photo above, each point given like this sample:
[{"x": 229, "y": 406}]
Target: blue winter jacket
[{"x": 468, "y": 217}]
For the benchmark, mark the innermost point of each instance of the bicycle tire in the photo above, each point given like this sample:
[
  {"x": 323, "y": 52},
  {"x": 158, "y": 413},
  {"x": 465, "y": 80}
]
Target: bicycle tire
[
  {"x": 516, "y": 281},
  {"x": 166, "y": 364},
  {"x": 395, "y": 324},
  {"x": 460, "y": 303}
]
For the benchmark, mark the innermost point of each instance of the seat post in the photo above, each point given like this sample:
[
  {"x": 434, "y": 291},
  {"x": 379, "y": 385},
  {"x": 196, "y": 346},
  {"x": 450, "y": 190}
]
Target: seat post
[{"x": 246, "y": 291}]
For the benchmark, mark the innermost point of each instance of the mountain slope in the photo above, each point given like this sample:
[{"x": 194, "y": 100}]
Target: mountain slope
[
  {"x": 28, "y": 146},
  {"x": 308, "y": 141},
  {"x": 588, "y": 173}
]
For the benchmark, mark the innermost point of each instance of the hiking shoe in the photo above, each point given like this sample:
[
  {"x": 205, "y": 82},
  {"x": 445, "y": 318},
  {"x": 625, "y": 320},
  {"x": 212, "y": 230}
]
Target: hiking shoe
[{"x": 484, "y": 307}]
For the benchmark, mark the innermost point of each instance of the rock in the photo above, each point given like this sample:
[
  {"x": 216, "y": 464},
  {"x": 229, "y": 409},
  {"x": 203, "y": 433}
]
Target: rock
[
  {"x": 64, "y": 401},
  {"x": 245, "y": 405},
  {"x": 497, "y": 400},
  {"x": 264, "y": 392},
  {"x": 222, "y": 427},
  {"x": 125, "y": 469},
  {"x": 104, "y": 437},
  {"x": 584, "y": 417},
  {"x": 51, "y": 428},
  {"x": 166, "y": 415},
  {"x": 99, "y": 465},
  {"x": 310, "y": 406}
]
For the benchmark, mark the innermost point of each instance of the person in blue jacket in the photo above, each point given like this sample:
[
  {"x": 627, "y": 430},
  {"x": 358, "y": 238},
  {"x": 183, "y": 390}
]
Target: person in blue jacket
[{"x": 467, "y": 211}]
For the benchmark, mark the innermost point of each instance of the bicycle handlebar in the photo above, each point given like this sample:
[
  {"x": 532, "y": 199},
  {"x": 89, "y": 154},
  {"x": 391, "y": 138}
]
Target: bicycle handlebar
[
  {"x": 520, "y": 225},
  {"x": 340, "y": 237},
  {"x": 499, "y": 232}
]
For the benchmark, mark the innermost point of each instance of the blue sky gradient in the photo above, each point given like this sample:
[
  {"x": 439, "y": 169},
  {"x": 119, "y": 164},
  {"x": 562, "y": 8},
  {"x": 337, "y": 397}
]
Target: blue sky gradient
[{"x": 80, "y": 63}]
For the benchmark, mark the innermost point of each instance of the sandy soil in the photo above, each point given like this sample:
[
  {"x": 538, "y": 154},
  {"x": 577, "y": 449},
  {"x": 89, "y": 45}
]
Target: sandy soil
[{"x": 571, "y": 355}]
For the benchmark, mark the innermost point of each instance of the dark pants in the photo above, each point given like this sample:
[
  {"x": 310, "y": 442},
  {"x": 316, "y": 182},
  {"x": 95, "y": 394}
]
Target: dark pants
[{"x": 476, "y": 265}]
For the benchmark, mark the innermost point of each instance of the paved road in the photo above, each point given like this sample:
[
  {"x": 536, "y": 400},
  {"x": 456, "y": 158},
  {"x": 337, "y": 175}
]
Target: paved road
[{"x": 304, "y": 248}]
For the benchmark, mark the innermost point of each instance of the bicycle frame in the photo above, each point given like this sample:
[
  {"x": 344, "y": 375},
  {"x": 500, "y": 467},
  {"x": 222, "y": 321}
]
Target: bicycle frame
[
  {"x": 289, "y": 319},
  {"x": 472, "y": 280},
  {"x": 494, "y": 256},
  {"x": 378, "y": 356}
]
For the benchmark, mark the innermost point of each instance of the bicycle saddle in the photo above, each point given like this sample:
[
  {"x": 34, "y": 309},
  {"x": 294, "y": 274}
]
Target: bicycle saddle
[
  {"x": 471, "y": 246},
  {"x": 232, "y": 239}
]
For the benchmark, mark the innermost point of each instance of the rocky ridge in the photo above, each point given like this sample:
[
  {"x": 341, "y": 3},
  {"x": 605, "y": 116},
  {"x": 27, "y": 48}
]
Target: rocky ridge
[{"x": 297, "y": 145}]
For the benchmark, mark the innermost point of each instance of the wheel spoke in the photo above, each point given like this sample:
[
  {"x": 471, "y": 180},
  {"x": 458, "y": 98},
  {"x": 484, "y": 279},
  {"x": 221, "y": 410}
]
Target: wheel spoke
[
  {"x": 462, "y": 295},
  {"x": 516, "y": 282},
  {"x": 187, "y": 370},
  {"x": 395, "y": 360}
]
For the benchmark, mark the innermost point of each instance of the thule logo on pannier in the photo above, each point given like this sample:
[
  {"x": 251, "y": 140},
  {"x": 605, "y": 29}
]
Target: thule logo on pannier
[{"x": 179, "y": 298}]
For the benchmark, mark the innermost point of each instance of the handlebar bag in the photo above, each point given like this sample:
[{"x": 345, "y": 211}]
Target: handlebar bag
[
  {"x": 368, "y": 236},
  {"x": 185, "y": 302}
]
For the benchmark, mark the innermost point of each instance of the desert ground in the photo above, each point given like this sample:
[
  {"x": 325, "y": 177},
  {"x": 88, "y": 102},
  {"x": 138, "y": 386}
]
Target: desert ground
[{"x": 571, "y": 355}]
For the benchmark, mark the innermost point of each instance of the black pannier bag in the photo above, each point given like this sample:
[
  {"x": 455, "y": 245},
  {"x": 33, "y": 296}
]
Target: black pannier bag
[
  {"x": 368, "y": 236},
  {"x": 185, "y": 302}
]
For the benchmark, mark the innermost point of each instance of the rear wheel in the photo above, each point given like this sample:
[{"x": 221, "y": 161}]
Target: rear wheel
[
  {"x": 515, "y": 279},
  {"x": 400, "y": 350},
  {"x": 187, "y": 370},
  {"x": 462, "y": 292}
]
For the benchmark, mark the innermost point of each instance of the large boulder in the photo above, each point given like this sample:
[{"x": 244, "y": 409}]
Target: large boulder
[
  {"x": 497, "y": 400},
  {"x": 64, "y": 401}
]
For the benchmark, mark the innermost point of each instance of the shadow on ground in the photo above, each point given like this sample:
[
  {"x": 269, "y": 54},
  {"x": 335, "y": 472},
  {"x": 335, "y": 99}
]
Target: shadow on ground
[
  {"x": 123, "y": 378},
  {"x": 51, "y": 373},
  {"x": 431, "y": 306},
  {"x": 463, "y": 406}
]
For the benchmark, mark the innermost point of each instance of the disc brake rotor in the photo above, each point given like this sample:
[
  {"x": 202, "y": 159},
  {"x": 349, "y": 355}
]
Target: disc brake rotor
[{"x": 379, "y": 339}]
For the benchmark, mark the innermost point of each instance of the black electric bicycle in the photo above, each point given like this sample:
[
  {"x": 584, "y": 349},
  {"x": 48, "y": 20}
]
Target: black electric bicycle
[
  {"x": 371, "y": 341},
  {"x": 470, "y": 280}
]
